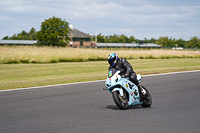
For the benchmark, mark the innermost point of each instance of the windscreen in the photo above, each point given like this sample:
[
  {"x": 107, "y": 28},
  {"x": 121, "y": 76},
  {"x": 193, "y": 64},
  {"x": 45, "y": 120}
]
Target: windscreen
[{"x": 111, "y": 72}]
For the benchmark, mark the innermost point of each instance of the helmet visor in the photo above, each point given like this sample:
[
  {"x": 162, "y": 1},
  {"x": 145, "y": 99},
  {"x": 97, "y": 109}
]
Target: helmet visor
[{"x": 111, "y": 61}]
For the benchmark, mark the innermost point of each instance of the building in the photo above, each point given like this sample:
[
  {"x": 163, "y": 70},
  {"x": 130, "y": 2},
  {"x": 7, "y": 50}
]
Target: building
[
  {"x": 18, "y": 42},
  {"x": 79, "y": 39},
  {"x": 127, "y": 45}
]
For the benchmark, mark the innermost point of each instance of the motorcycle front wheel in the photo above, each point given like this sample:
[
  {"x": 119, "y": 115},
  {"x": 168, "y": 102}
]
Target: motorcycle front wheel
[
  {"x": 121, "y": 102},
  {"x": 147, "y": 100}
]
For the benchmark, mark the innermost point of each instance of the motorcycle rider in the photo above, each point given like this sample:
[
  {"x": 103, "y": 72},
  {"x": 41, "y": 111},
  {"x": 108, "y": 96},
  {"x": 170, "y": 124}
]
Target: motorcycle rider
[{"x": 125, "y": 67}]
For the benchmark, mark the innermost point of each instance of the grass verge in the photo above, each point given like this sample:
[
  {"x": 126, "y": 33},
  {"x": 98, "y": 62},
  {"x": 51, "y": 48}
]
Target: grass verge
[
  {"x": 30, "y": 75},
  {"x": 42, "y": 55}
]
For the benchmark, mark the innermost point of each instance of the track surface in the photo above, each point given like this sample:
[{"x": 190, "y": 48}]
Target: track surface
[{"x": 87, "y": 108}]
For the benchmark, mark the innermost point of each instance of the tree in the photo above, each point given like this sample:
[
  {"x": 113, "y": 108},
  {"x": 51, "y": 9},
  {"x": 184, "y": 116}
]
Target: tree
[
  {"x": 180, "y": 43},
  {"x": 165, "y": 42},
  {"x": 21, "y": 36},
  {"x": 32, "y": 33},
  {"x": 5, "y": 38},
  {"x": 123, "y": 39},
  {"x": 54, "y": 32},
  {"x": 114, "y": 38},
  {"x": 194, "y": 42},
  {"x": 153, "y": 40},
  {"x": 100, "y": 39},
  {"x": 162, "y": 41},
  {"x": 145, "y": 40},
  {"x": 132, "y": 39}
]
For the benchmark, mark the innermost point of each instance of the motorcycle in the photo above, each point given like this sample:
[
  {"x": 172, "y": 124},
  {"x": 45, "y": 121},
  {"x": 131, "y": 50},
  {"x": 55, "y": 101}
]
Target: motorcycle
[{"x": 124, "y": 92}]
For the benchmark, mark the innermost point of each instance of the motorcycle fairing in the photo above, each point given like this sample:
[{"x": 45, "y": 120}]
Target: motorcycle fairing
[{"x": 131, "y": 88}]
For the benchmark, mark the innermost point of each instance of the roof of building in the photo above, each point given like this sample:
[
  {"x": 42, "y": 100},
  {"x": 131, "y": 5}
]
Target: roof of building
[
  {"x": 23, "y": 42},
  {"x": 127, "y": 45},
  {"x": 79, "y": 34}
]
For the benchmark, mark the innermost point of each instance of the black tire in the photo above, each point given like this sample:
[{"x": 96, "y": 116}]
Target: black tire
[
  {"x": 122, "y": 103},
  {"x": 147, "y": 100}
]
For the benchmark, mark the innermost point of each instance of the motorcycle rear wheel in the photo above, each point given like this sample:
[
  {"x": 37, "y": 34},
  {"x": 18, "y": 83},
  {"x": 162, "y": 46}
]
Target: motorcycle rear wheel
[
  {"x": 147, "y": 100},
  {"x": 121, "y": 102}
]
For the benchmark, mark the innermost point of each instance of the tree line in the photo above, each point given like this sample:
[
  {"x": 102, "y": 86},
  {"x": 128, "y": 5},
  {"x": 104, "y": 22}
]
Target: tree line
[
  {"x": 194, "y": 42},
  {"x": 31, "y": 35},
  {"x": 54, "y": 32}
]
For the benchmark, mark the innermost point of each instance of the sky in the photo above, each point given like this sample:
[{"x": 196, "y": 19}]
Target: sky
[{"x": 138, "y": 18}]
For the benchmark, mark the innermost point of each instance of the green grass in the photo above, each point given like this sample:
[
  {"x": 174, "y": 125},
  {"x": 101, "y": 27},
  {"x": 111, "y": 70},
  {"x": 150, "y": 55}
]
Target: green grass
[{"x": 30, "y": 75}]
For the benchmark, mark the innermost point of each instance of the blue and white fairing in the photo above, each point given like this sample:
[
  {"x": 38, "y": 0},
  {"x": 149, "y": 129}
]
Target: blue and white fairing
[{"x": 115, "y": 82}]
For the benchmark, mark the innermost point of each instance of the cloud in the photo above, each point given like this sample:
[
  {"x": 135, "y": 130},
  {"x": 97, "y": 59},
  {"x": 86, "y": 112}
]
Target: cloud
[{"x": 147, "y": 18}]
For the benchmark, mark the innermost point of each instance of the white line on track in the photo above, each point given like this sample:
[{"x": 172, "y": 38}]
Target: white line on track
[{"x": 95, "y": 81}]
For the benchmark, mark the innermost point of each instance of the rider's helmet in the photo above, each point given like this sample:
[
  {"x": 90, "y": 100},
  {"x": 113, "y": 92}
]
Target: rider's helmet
[{"x": 112, "y": 59}]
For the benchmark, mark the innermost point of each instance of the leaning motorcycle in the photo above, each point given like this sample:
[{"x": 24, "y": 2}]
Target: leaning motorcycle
[{"x": 124, "y": 92}]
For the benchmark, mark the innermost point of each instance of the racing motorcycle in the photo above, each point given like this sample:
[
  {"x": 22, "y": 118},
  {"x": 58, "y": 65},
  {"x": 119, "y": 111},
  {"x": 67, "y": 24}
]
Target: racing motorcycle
[{"x": 124, "y": 92}]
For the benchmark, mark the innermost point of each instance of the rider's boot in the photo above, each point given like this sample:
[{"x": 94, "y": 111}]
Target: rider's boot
[{"x": 142, "y": 92}]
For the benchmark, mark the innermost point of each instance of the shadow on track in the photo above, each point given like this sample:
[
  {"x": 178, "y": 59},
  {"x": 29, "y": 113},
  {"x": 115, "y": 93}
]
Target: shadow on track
[{"x": 114, "y": 107}]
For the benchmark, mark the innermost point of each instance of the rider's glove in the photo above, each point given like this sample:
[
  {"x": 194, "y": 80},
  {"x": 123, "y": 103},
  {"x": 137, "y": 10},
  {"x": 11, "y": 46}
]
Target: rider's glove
[{"x": 126, "y": 75}]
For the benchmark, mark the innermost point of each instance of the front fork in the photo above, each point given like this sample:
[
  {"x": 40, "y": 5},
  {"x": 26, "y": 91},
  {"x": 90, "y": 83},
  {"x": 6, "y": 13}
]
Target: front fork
[
  {"x": 122, "y": 95},
  {"x": 121, "y": 92}
]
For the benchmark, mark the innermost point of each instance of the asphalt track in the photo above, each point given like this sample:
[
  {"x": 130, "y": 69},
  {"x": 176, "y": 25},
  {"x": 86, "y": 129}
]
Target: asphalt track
[{"x": 86, "y": 108}]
